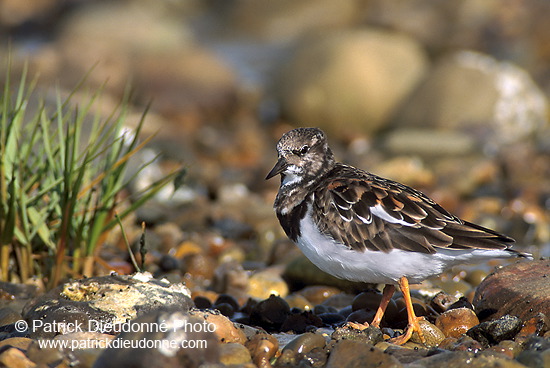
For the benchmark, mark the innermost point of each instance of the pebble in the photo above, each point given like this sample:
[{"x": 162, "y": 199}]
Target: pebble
[
  {"x": 455, "y": 322},
  {"x": 267, "y": 282},
  {"x": 301, "y": 322},
  {"x": 432, "y": 334},
  {"x": 270, "y": 313},
  {"x": 442, "y": 301},
  {"x": 225, "y": 330},
  {"x": 492, "y": 332},
  {"x": 296, "y": 300},
  {"x": 296, "y": 349},
  {"x": 318, "y": 294},
  {"x": 263, "y": 348},
  {"x": 370, "y": 335},
  {"x": 234, "y": 353}
]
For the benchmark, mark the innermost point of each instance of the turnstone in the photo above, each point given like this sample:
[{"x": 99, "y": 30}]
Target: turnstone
[{"x": 358, "y": 226}]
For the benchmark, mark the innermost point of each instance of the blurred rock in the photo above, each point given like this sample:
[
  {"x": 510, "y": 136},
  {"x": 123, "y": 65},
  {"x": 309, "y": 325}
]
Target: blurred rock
[
  {"x": 101, "y": 301},
  {"x": 113, "y": 36},
  {"x": 15, "y": 13},
  {"x": 521, "y": 289},
  {"x": 349, "y": 82},
  {"x": 286, "y": 19},
  {"x": 428, "y": 142},
  {"x": 505, "y": 106}
]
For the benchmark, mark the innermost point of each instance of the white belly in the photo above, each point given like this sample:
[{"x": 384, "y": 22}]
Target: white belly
[{"x": 379, "y": 267}]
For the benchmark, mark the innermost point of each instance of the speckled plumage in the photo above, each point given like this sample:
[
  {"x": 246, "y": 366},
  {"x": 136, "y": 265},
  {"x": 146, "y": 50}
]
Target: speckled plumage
[{"x": 375, "y": 224}]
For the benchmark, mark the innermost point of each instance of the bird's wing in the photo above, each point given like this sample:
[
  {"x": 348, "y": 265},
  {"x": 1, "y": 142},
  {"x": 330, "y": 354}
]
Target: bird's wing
[{"x": 364, "y": 211}]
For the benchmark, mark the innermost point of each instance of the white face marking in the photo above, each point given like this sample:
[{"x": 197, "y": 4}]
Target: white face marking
[
  {"x": 292, "y": 175},
  {"x": 379, "y": 211}
]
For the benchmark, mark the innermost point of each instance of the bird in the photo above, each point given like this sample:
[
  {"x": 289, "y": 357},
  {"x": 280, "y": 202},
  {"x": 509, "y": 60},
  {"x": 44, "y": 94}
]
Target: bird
[{"x": 358, "y": 226}]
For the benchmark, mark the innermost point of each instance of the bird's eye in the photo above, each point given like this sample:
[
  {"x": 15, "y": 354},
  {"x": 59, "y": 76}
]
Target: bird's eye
[{"x": 302, "y": 151}]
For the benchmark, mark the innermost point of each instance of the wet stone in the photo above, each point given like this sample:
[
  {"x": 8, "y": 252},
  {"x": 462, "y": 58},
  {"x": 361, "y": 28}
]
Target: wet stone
[
  {"x": 432, "y": 335},
  {"x": 349, "y": 353},
  {"x": 442, "y": 301},
  {"x": 521, "y": 289},
  {"x": 370, "y": 335},
  {"x": 233, "y": 353},
  {"x": 319, "y": 294},
  {"x": 101, "y": 303},
  {"x": 263, "y": 348},
  {"x": 456, "y": 322},
  {"x": 301, "y": 322},
  {"x": 295, "y": 350},
  {"x": 270, "y": 313},
  {"x": 225, "y": 330},
  {"x": 492, "y": 332}
]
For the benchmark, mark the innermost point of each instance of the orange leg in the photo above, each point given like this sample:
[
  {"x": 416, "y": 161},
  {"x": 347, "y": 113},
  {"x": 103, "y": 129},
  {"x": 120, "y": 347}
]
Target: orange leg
[
  {"x": 386, "y": 297},
  {"x": 413, "y": 320}
]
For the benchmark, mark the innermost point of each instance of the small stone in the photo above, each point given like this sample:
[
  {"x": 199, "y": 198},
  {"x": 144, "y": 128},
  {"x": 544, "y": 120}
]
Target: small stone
[
  {"x": 432, "y": 335},
  {"x": 299, "y": 346},
  {"x": 318, "y": 294},
  {"x": 225, "y": 330},
  {"x": 455, "y": 322},
  {"x": 370, "y": 335},
  {"x": 296, "y": 300},
  {"x": 270, "y": 313},
  {"x": 442, "y": 301},
  {"x": 492, "y": 332},
  {"x": 348, "y": 353},
  {"x": 265, "y": 283},
  {"x": 234, "y": 353},
  {"x": 262, "y": 348},
  {"x": 301, "y": 322},
  {"x": 15, "y": 358}
]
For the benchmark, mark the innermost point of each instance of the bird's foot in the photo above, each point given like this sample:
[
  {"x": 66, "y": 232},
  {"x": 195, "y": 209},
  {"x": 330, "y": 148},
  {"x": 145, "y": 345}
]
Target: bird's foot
[
  {"x": 358, "y": 326},
  {"x": 411, "y": 328}
]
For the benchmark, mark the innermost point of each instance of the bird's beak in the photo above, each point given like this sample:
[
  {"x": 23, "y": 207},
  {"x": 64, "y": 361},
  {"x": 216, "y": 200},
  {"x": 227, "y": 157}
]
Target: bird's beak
[{"x": 279, "y": 167}]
